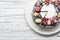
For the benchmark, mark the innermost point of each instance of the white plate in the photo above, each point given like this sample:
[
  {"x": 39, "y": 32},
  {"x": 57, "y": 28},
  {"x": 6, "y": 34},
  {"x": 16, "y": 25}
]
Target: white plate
[{"x": 28, "y": 11}]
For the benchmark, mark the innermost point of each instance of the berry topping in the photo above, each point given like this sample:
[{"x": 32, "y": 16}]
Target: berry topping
[
  {"x": 47, "y": 3},
  {"x": 43, "y": 23},
  {"x": 37, "y": 9},
  {"x": 51, "y": 19},
  {"x": 58, "y": 8},
  {"x": 56, "y": 3},
  {"x": 46, "y": 19}
]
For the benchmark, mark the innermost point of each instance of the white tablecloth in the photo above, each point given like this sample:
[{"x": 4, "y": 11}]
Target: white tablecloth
[{"x": 13, "y": 25}]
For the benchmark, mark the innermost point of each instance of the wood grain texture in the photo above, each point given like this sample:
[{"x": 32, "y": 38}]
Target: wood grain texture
[{"x": 13, "y": 25}]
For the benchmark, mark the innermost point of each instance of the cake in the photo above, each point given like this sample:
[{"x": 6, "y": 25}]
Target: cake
[{"x": 46, "y": 13}]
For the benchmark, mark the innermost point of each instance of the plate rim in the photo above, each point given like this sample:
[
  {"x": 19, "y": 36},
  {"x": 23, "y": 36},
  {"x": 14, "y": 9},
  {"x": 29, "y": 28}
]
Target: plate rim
[{"x": 37, "y": 30}]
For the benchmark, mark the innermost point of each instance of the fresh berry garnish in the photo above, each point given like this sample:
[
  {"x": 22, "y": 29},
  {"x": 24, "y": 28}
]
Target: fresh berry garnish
[
  {"x": 56, "y": 3},
  {"x": 54, "y": 17},
  {"x": 37, "y": 9},
  {"x": 47, "y": 0},
  {"x": 53, "y": 24},
  {"x": 58, "y": 7},
  {"x": 46, "y": 19},
  {"x": 47, "y": 3},
  {"x": 43, "y": 23},
  {"x": 51, "y": 19},
  {"x": 58, "y": 15}
]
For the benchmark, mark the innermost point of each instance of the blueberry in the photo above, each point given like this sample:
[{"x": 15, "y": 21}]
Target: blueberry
[
  {"x": 40, "y": 3},
  {"x": 53, "y": 24},
  {"x": 58, "y": 8}
]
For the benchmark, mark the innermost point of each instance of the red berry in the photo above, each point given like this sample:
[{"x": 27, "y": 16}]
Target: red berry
[
  {"x": 47, "y": 3},
  {"x": 56, "y": 3},
  {"x": 51, "y": 19},
  {"x": 55, "y": 17},
  {"x": 46, "y": 19},
  {"x": 43, "y": 23},
  {"x": 37, "y": 9},
  {"x": 47, "y": 0}
]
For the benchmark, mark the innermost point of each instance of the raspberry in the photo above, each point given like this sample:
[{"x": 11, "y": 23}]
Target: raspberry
[
  {"x": 56, "y": 3},
  {"x": 37, "y": 9}
]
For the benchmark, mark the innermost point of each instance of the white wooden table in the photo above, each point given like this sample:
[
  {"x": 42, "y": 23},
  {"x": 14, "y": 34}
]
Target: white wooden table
[{"x": 13, "y": 25}]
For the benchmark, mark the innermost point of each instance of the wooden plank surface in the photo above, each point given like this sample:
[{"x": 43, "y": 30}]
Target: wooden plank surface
[{"x": 13, "y": 25}]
